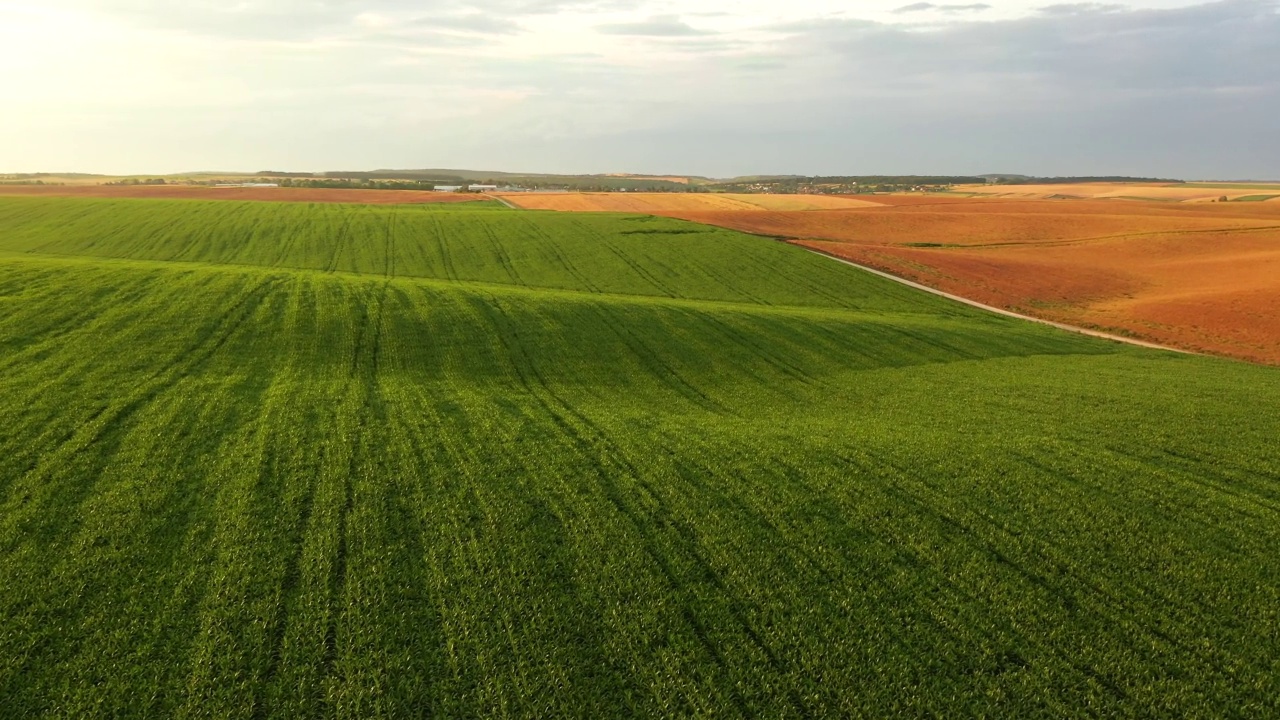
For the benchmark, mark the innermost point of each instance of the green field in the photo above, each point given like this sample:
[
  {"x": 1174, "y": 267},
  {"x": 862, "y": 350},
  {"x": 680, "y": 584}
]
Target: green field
[{"x": 268, "y": 460}]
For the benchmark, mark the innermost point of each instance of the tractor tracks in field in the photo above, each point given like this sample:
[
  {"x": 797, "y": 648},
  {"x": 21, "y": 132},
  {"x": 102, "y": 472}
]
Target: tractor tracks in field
[
  {"x": 446, "y": 259},
  {"x": 331, "y": 496},
  {"x": 364, "y": 381},
  {"x": 500, "y": 254},
  {"x": 549, "y": 244},
  {"x": 596, "y": 445},
  {"x": 339, "y": 239},
  {"x": 390, "y": 261},
  {"x": 654, "y": 362},
  {"x": 107, "y": 423}
]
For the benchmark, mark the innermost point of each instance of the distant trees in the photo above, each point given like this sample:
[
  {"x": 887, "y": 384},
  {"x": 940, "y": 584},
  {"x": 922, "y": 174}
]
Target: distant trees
[
  {"x": 351, "y": 184},
  {"x": 140, "y": 181},
  {"x": 847, "y": 184}
]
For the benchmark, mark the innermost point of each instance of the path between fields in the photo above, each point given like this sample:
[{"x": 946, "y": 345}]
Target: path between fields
[
  {"x": 502, "y": 200},
  {"x": 1000, "y": 311}
]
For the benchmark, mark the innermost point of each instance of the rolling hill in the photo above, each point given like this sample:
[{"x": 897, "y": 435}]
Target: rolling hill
[{"x": 269, "y": 460}]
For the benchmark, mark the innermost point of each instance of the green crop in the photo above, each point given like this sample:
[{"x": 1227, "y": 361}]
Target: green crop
[{"x": 267, "y": 460}]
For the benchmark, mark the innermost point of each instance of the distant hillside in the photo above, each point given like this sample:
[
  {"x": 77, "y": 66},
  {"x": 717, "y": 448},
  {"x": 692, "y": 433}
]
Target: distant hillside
[
  {"x": 388, "y": 178},
  {"x": 845, "y": 184},
  {"x": 539, "y": 181},
  {"x": 1072, "y": 180}
]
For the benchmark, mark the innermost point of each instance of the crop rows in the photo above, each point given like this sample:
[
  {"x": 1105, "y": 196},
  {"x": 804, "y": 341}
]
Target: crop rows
[
  {"x": 621, "y": 254},
  {"x": 279, "y": 461}
]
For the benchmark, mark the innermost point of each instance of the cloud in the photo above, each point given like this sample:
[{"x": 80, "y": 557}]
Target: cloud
[
  {"x": 472, "y": 22},
  {"x": 1085, "y": 88},
  {"x": 1095, "y": 48},
  {"x": 819, "y": 25},
  {"x": 1080, "y": 8},
  {"x": 294, "y": 20},
  {"x": 659, "y": 26},
  {"x": 930, "y": 7},
  {"x": 1097, "y": 90},
  {"x": 422, "y": 40}
]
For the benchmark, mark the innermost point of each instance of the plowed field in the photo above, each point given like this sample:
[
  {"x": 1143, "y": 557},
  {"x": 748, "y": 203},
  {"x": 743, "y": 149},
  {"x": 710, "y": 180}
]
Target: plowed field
[
  {"x": 190, "y": 192},
  {"x": 1204, "y": 280},
  {"x": 666, "y": 203},
  {"x": 1212, "y": 292}
]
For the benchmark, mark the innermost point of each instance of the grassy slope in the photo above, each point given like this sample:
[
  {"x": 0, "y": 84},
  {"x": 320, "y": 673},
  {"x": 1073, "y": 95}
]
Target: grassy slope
[{"x": 729, "y": 478}]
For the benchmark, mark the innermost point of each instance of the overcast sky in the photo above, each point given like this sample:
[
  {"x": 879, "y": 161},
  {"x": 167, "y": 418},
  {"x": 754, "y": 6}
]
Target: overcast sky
[{"x": 707, "y": 87}]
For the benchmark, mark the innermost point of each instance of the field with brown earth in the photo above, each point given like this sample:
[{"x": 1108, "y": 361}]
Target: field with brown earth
[
  {"x": 198, "y": 192},
  {"x": 1207, "y": 281},
  {"x": 665, "y": 203},
  {"x": 1199, "y": 276}
]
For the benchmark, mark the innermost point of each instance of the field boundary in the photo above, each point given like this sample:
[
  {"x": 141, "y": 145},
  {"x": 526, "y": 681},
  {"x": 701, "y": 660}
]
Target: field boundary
[
  {"x": 510, "y": 205},
  {"x": 974, "y": 303},
  {"x": 1001, "y": 311},
  {"x": 449, "y": 284}
]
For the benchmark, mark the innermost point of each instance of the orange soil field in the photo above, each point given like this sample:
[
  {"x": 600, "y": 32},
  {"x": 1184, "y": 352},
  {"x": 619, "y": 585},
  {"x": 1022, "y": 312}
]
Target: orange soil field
[
  {"x": 663, "y": 203},
  {"x": 197, "y": 192},
  {"x": 1206, "y": 280},
  {"x": 1209, "y": 292}
]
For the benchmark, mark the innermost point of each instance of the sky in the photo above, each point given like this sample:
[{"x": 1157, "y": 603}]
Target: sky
[{"x": 719, "y": 88}]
